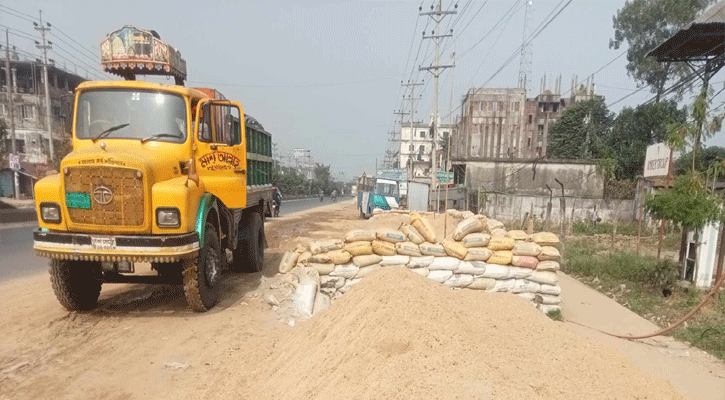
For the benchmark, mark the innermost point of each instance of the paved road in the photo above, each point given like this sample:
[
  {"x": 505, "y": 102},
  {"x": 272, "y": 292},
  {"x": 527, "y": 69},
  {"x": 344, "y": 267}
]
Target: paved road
[{"x": 18, "y": 259}]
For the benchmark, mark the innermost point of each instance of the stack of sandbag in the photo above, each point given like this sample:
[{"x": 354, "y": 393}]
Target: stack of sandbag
[{"x": 481, "y": 255}]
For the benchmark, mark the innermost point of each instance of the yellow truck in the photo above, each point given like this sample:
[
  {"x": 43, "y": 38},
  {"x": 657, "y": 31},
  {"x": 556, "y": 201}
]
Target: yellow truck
[{"x": 163, "y": 174}]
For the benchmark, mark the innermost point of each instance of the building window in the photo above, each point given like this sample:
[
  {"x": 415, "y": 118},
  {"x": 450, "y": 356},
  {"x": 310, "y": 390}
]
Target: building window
[
  {"x": 27, "y": 111},
  {"x": 495, "y": 103},
  {"x": 422, "y": 134},
  {"x": 3, "y": 109},
  {"x": 56, "y": 113},
  {"x": 531, "y": 118},
  {"x": 528, "y": 143},
  {"x": 555, "y": 107},
  {"x": 19, "y": 144},
  {"x": 517, "y": 106},
  {"x": 541, "y": 129}
]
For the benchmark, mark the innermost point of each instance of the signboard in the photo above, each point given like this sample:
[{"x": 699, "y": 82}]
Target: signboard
[
  {"x": 657, "y": 161},
  {"x": 131, "y": 50},
  {"x": 396, "y": 174},
  {"x": 14, "y": 161},
  {"x": 445, "y": 177},
  {"x": 299, "y": 153}
]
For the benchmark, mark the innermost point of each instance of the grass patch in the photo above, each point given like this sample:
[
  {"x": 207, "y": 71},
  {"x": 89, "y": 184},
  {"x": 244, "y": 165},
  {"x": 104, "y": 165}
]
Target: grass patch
[
  {"x": 603, "y": 228},
  {"x": 637, "y": 282},
  {"x": 555, "y": 315}
]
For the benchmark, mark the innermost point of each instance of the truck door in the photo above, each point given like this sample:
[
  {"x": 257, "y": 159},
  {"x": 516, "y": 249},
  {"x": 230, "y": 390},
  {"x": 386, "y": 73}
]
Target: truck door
[{"x": 221, "y": 158}]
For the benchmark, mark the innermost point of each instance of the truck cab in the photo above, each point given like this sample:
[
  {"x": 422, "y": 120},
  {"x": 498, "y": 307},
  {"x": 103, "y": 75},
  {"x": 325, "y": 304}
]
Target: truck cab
[{"x": 162, "y": 174}]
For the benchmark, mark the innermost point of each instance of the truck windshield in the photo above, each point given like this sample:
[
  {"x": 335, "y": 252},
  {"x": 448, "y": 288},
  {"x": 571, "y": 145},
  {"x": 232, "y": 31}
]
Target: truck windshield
[{"x": 147, "y": 115}]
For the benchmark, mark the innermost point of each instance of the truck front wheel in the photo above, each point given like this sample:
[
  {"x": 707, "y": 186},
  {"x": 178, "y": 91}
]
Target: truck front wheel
[
  {"x": 203, "y": 273},
  {"x": 77, "y": 284}
]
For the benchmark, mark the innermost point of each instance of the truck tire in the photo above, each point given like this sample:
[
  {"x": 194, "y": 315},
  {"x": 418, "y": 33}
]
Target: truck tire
[
  {"x": 249, "y": 255},
  {"x": 203, "y": 272},
  {"x": 77, "y": 284}
]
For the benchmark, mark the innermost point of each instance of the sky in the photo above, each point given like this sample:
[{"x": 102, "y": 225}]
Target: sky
[{"x": 326, "y": 75}]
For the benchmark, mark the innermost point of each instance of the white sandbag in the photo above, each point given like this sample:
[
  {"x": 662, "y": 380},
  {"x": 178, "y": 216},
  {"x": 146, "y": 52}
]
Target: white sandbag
[
  {"x": 548, "y": 266},
  {"x": 444, "y": 263},
  {"x": 348, "y": 284},
  {"x": 331, "y": 282},
  {"x": 545, "y": 277},
  {"x": 324, "y": 246},
  {"x": 390, "y": 235},
  {"x": 495, "y": 271},
  {"x": 432, "y": 249},
  {"x": 421, "y": 271},
  {"x": 360, "y": 235},
  {"x": 476, "y": 240},
  {"x": 520, "y": 273},
  {"x": 549, "y": 253},
  {"x": 548, "y": 299},
  {"x": 466, "y": 267},
  {"x": 420, "y": 262},
  {"x": 499, "y": 233},
  {"x": 459, "y": 280},
  {"x": 347, "y": 271},
  {"x": 482, "y": 283},
  {"x": 408, "y": 249},
  {"x": 303, "y": 299},
  {"x": 323, "y": 269},
  {"x": 468, "y": 225},
  {"x": 289, "y": 260},
  {"x": 554, "y": 290},
  {"x": 322, "y": 303},
  {"x": 440, "y": 276},
  {"x": 527, "y": 296},
  {"x": 478, "y": 254},
  {"x": 304, "y": 257},
  {"x": 503, "y": 285},
  {"x": 394, "y": 260},
  {"x": 525, "y": 286},
  {"x": 412, "y": 234},
  {"x": 547, "y": 308},
  {"x": 467, "y": 214},
  {"x": 365, "y": 271},
  {"x": 364, "y": 261}
]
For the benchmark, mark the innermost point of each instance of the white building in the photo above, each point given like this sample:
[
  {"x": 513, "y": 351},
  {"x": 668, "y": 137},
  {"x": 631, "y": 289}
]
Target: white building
[{"x": 415, "y": 148}]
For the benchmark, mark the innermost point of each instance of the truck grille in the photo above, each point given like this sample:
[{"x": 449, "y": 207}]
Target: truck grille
[{"x": 125, "y": 208}]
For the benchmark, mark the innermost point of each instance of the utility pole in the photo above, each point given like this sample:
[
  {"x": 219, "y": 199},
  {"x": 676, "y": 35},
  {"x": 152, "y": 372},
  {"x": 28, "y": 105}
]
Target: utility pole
[
  {"x": 436, "y": 15},
  {"x": 412, "y": 86},
  {"x": 9, "y": 86},
  {"x": 45, "y": 46},
  {"x": 526, "y": 49}
]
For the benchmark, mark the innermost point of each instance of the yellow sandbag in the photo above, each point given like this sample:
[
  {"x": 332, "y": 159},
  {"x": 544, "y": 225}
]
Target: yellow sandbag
[
  {"x": 548, "y": 266},
  {"x": 304, "y": 257},
  {"x": 323, "y": 246},
  {"x": 549, "y": 253},
  {"x": 484, "y": 221},
  {"x": 340, "y": 256},
  {"x": 476, "y": 240},
  {"x": 501, "y": 257},
  {"x": 289, "y": 260},
  {"x": 493, "y": 224},
  {"x": 323, "y": 258},
  {"x": 424, "y": 227},
  {"x": 501, "y": 243},
  {"x": 383, "y": 248},
  {"x": 323, "y": 269},
  {"x": 390, "y": 235},
  {"x": 468, "y": 225},
  {"x": 430, "y": 249},
  {"x": 478, "y": 254},
  {"x": 412, "y": 234},
  {"x": 526, "y": 249},
  {"x": 414, "y": 216},
  {"x": 455, "y": 249},
  {"x": 524, "y": 261},
  {"x": 545, "y": 239},
  {"x": 517, "y": 235},
  {"x": 360, "y": 235},
  {"x": 408, "y": 249},
  {"x": 359, "y": 248},
  {"x": 499, "y": 232},
  {"x": 364, "y": 261}
]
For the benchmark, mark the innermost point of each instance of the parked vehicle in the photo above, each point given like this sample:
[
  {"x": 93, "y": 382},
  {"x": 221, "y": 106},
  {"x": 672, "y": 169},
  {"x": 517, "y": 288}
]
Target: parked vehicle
[{"x": 382, "y": 194}]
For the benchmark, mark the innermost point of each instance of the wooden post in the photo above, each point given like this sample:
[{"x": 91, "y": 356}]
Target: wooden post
[
  {"x": 562, "y": 229},
  {"x": 662, "y": 226},
  {"x": 641, "y": 212}
]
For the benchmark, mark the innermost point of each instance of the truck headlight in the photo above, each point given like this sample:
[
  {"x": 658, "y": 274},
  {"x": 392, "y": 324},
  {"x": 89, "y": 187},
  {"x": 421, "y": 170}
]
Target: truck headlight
[
  {"x": 168, "y": 217},
  {"x": 50, "y": 212}
]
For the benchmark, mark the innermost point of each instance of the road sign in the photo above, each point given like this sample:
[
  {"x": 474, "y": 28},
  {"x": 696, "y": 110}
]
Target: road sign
[
  {"x": 299, "y": 153},
  {"x": 445, "y": 177},
  {"x": 657, "y": 161}
]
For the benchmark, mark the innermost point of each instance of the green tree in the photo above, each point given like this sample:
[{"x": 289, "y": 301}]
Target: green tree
[
  {"x": 636, "y": 128},
  {"x": 568, "y": 135},
  {"x": 644, "y": 25},
  {"x": 443, "y": 146},
  {"x": 698, "y": 127},
  {"x": 707, "y": 156},
  {"x": 688, "y": 203}
]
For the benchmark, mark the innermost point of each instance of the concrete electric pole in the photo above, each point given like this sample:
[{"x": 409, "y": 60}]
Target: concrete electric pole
[
  {"x": 436, "y": 69},
  {"x": 412, "y": 86},
  {"x": 9, "y": 85},
  {"x": 45, "y": 46}
]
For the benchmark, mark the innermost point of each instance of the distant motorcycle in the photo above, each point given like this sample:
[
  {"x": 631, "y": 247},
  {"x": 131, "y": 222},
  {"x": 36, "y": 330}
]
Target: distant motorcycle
[
  {"x": 321, "y": 198},
  {"x": 275, "y": 208}
]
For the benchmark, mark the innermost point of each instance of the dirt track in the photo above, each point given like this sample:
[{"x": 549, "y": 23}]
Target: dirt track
[{"x": 142, "y": 342}]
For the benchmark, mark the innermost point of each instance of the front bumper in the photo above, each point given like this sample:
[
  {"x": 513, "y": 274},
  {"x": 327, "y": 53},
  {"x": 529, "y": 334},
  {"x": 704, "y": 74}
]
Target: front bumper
[{"x": 133, "y": 248}]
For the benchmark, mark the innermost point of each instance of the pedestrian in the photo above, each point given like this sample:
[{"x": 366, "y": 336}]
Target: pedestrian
[{"x": 595, "y": 216}]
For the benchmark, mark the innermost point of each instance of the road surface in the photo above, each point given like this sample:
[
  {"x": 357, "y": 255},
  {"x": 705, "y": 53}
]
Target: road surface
[{"x": 16, "y": 242}]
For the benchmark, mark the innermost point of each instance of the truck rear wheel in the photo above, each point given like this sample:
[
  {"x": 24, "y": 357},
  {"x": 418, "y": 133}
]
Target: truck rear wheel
[
  {"x": 77, "y": 284},
  {"x": 202, "y": 273},
  {"x": 249, "y": 255}
]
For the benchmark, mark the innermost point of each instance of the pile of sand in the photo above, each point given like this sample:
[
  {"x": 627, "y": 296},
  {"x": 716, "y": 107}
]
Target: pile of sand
[{"x": 399, "y": 335}]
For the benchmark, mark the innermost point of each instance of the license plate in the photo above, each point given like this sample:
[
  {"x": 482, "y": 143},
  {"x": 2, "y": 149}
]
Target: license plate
[
  {"x": 102, "y": 243},
  {"x": 78, "y": 200}
]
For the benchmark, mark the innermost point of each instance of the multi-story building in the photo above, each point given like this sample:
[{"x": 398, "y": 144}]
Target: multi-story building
[
  {"x": 504, "y": 124},
  {"x": 416, "y": 145},
  {"x": 27, "y": 86}
]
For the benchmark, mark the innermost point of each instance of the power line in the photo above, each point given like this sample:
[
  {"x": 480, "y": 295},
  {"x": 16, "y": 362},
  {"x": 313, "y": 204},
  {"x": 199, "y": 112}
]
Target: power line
[
  {"x": 95, "y": 54},
  {"x": 18, "y": 14},
  {"x": 463, "y": 53},
  {"x": 294, "y": 86}
]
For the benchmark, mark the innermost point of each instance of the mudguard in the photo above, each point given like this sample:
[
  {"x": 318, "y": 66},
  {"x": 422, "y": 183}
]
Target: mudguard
[{"x": 206, "y": 204}]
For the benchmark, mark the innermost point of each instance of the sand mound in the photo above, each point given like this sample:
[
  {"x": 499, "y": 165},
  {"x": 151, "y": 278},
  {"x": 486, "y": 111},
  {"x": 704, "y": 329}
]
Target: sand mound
[{"x": 399, "y": 335}]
